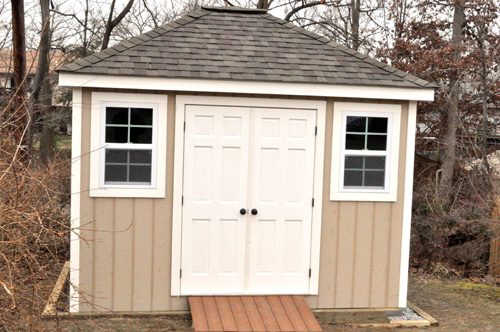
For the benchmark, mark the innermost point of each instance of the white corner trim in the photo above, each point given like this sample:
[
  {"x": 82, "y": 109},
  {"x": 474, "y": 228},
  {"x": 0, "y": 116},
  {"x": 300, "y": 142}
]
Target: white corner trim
[
  {"x": 393, "y": 113},
  {"x": 407, "y": 203},
  {"x": 180, "y": 104},
  {"x": 175, "y": 280},
  {"x": 158, "y": 172},
  {"x": 76, "y": 151},
  {"x": 317, "y": 211},
  {"x": 250, "y": 87}
]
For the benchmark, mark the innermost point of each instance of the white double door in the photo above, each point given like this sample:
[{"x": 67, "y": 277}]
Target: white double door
[{"x": 236, "y": 160}]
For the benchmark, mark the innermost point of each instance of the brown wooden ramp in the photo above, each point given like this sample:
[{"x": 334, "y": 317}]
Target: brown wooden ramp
[{"x": 252, "y": 313}]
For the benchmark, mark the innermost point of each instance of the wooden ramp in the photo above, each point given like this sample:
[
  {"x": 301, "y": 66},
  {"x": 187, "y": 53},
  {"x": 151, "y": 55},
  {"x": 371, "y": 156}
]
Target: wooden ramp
[{"x": 252, "y": 313}]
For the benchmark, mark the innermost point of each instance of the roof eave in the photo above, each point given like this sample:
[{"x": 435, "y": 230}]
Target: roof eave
[{"x": 77, "y": 80}]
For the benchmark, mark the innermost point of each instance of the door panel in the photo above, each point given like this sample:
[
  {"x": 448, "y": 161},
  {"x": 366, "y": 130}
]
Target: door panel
[
  {"x": 215, "y": 189},
  {"x": 235, "y": 158},
  {"x": 281, "y": 188}
]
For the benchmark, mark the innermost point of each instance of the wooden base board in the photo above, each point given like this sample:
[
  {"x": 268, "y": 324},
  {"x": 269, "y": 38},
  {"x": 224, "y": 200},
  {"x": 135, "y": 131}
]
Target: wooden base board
[
  {"x": 363, "y": 317},
  {"x": 374, "y": 318},
  {"x": 50, "y": 307},
  {"x": 117, "y": 314}
]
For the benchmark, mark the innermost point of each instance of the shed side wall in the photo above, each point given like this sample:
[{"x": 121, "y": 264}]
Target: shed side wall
[
  {"x": 360, "y": 241},
  {"x": 126, "y": 243}
]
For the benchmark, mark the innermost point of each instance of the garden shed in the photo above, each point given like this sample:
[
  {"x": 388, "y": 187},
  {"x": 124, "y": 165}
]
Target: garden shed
[{"x": 233, "y": 153}]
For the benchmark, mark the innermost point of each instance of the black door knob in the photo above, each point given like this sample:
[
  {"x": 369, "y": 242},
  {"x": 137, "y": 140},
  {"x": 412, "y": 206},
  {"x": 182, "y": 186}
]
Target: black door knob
[
  {"x": 243, "y": 212},
  {"x": 254, "y": 212}
]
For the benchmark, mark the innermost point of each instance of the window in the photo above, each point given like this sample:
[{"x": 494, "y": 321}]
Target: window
[
  {"x": 127, "y": 159},
  {"x": 128, "y": 145},
  {"x": 365, "y": 151}
]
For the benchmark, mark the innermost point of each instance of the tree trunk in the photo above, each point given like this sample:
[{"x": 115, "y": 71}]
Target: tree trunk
[
  {"x": 41, "y": 95},
  {"x": 264, "y": 4},
  {"x": 21, "y": 118},
  {"x": 355, "y": 11},
  {"x": 484, "y": 102},
  {"x": 449, "y": 144}
]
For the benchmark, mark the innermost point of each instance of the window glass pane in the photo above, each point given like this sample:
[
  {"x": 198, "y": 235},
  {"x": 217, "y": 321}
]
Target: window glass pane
[
  {"x": 116, "y": 134},
  {"x": 353, "y": 178},
  {"x": 377, "y": 125},
  {"x": 375, "y": 162},
  {"x": 115, "y": 173},
  {"x": 374, "y": 179},
  {"x": 140, "y": 174},
  {"x": 140, "y": 156},
  {"x": 141, "y": 116},
  {"x": 116, "y": 156},
  {"x": 356, "y": 123},
  {"x": 354, "y": 162},
  {"x": 116, "y": 115},
  {"x": 355, "y": 142},
  {"x": 141, "y": 135},
  {"x": 376, "y": 142}
]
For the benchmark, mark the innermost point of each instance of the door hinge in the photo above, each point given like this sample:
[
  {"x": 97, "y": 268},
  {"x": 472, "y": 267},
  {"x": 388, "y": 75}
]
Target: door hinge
[
  {"x": 310, "y": 272},
  {"x": 180, "y": 273},
  {"x": 313, "y": 202},
  {"x": 182, "y": 200},
  {"x": 184, "y": 125},
  {"x": 316, "y": 131}
]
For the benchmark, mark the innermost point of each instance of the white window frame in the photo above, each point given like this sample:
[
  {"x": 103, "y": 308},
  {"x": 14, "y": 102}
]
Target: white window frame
[
  {"x": 158, "y": 146},
  {"x": 341, "y": 110}
]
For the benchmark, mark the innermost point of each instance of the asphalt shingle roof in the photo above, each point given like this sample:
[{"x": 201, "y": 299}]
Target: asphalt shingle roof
[{"x": 237, "y": 44}]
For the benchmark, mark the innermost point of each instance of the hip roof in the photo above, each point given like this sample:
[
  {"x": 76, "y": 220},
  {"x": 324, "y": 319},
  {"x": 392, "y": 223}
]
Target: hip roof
[{"x": 241, "y": 44}]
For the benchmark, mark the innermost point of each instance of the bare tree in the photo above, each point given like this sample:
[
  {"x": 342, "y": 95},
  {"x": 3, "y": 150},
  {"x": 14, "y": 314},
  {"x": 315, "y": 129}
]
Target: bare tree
[
  {"x": 449, "y": 142},
  {"x": 21, "y": 116},
  {"x": 112, "y": 23},
  {"x": 41, "y": 92}
]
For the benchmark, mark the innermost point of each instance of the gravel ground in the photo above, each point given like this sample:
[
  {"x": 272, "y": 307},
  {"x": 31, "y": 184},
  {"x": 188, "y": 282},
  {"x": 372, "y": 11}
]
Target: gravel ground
[{"x": 457, "y": 305}]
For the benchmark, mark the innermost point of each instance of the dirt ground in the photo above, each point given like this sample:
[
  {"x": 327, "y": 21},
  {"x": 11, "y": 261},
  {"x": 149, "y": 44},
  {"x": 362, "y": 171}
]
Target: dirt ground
[{"x": 457, "y": 305}]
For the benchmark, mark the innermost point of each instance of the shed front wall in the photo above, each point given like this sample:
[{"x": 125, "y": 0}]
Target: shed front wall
[{"x": 125, "y": 247}]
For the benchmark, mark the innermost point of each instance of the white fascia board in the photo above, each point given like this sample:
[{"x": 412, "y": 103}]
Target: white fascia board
[{"x": 250, "y": 87}]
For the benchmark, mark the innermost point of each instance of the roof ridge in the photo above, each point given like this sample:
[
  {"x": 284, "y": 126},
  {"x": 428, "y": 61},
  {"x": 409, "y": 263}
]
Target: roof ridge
[
  {"x": 234, "y": 9},
  {"x": 134, "y": 41},
  {"x": 349, "y": 51}
]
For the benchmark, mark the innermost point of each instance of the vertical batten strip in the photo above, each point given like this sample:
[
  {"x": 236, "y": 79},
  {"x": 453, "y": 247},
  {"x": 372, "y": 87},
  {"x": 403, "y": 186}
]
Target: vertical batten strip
[
  {"x": 87, "y": 216},
  {"x": 76, "y": 151},
  {"x": 408, "y": 194}
]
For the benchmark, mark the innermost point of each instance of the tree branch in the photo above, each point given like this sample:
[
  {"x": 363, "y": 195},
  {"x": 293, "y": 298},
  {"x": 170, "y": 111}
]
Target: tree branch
[{"x": 304, "y": 6}]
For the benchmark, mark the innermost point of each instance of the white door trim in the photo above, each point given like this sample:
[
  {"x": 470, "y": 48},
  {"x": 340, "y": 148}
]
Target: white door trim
[{"x": 180, "y": 103}]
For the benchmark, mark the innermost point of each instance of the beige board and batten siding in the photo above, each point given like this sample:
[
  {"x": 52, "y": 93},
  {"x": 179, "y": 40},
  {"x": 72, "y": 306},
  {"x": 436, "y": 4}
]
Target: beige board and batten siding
[
  {"x": 126, "y": 242},
  {"x": 360, "y": 241},
  {"x": 125, "y": 247}
]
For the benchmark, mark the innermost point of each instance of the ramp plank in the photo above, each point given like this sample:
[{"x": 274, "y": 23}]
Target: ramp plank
[
  {"x": 213, "y": 318},
  {"x": 306, "y": 314},
  {"x": 280, "y": 314},
  {"x": 293, "y": 313},
  {"x": 253, "y": 313},
  {"x": 240, "y": 316},
  {"x": 225, "y": 313},
  {"x": 198, "y": 314}
]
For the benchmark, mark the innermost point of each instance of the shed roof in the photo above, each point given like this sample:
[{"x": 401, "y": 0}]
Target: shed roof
[{"x": 241, "y": 44}]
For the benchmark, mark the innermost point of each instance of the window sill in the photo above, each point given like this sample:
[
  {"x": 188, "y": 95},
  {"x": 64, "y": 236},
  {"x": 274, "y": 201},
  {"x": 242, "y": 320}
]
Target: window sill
[
  {"x": 363, "y": 196},
  {"x": 129, "y": 192}
]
